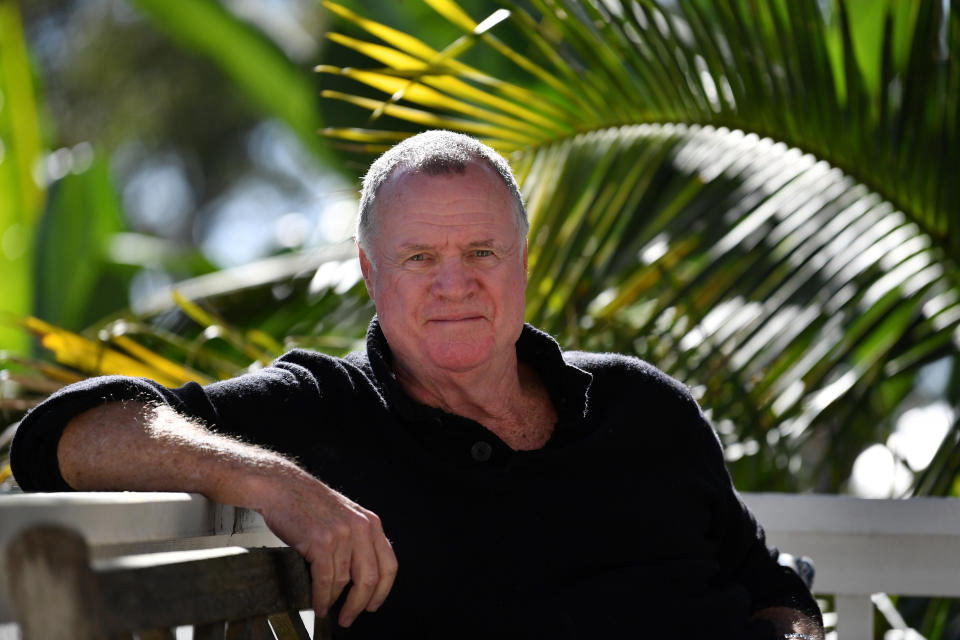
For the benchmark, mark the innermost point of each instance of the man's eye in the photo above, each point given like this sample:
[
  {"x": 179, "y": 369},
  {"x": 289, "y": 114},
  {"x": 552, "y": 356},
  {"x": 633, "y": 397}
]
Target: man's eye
[
  {"x": 483, "y": 253},
  {"x": 420, "y": 257}
]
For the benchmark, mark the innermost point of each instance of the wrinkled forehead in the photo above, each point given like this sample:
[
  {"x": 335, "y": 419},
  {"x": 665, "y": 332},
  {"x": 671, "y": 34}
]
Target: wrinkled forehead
[
  {"x": 473, "y": 180},
  {"x": 414, "y": 202}
]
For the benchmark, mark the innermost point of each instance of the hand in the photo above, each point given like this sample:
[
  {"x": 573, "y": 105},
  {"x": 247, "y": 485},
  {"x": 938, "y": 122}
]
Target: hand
[{"x": 341, "y": 540}]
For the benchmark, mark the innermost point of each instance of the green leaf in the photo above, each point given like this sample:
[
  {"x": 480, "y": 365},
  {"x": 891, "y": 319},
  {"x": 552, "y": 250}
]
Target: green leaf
[
  {"x": 275, "y": 83},
  {"x": 96, "y": 358},
  {"x": 20, "y": 196},
  {"x": 775, "y": 267},
  {"x": 82, "y": 216},
  {"x": 758, "y": 196}
]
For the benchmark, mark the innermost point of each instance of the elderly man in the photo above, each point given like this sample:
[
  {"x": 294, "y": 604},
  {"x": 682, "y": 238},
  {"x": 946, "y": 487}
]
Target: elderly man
[{"x": 521, "y": 490}]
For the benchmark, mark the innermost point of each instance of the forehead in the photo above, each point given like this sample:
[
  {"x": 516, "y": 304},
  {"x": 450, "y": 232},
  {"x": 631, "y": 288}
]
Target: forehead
[{"x": 476, "y": 196}]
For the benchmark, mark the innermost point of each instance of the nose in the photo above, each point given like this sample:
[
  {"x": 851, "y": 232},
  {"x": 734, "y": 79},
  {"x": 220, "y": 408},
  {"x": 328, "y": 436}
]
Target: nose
[{"x": 453, "y": 280}]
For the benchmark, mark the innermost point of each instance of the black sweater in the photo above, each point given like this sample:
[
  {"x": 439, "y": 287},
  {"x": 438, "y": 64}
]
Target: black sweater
[{"x": 625, "y": 524}]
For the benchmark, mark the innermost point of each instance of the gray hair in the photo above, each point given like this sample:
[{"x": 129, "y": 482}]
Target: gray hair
[{"x": 436, "y": 152}]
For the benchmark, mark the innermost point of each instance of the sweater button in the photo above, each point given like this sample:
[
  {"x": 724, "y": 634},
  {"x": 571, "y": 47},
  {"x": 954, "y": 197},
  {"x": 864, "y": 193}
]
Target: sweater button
[{"x": 481, "y": 451}]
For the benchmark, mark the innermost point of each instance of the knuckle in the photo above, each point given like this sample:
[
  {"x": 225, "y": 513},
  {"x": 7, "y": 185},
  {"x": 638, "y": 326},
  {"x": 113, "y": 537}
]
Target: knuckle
[
  {"x": 373, "y": 519},
  {"x": 323, "y": 574},
  {"x": 369, "y": 579},
  {"x": 341, "y": 530},
  {"x": 324, "y": 538},
  {"x": 360, "y": 524}
]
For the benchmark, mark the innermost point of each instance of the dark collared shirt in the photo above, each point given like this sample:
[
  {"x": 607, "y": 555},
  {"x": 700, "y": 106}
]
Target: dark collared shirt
[{"x": 625, "y": 524}]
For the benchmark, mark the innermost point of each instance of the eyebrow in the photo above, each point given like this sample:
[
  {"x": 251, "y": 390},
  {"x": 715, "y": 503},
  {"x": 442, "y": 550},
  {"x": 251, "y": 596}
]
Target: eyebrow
[
  {"x": 412, "y": 246},
  {"x": 489, "y": 242},
  {"x": 416, "y": 246}
]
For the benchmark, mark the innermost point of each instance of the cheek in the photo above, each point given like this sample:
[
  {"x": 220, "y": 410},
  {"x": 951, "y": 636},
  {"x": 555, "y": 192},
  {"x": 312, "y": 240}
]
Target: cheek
[
  {"x": 401, "y": 295},
  {"x": 518, "y": 286}
]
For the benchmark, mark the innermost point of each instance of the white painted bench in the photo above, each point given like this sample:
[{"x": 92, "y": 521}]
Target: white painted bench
[{"x": 860, "y": 547}]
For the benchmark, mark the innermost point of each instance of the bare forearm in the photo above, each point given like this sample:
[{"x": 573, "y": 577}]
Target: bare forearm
[{"x": 133, "y": 446}]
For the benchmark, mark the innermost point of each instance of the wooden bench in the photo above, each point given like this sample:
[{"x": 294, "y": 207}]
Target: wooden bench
[
  {"x": 228, "y": 592},
  {"x": 861, "y": 547}
]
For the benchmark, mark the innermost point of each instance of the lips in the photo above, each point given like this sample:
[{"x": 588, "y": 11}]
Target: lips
[{"x": 455, "y": 317}]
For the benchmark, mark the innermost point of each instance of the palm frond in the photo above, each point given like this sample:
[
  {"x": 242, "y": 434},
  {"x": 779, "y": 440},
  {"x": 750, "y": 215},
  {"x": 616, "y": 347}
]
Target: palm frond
[{"x": 730, "y": 190}]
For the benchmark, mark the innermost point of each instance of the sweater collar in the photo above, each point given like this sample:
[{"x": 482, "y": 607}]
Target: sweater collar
[{"x": 567, "y": 385}]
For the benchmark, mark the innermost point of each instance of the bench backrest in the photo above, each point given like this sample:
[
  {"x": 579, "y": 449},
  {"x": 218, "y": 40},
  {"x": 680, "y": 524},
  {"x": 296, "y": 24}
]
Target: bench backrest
[{"x": 229, "y": 592}]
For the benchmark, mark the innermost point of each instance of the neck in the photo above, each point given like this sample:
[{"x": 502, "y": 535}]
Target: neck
[
  {"x": 510, "y": 401},
  {"x": 487, "y": 395}
]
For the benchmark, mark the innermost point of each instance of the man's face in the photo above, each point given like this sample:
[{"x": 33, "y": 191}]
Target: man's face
[{"x": 448, "y": 270}]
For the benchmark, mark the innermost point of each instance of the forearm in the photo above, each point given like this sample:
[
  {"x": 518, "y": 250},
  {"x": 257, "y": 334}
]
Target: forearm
[{"x": 140, "y": 447}]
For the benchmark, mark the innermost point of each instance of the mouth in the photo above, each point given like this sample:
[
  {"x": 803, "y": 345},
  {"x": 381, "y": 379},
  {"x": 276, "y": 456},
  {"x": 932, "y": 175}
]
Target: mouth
[{"x": 455, "y": 318}]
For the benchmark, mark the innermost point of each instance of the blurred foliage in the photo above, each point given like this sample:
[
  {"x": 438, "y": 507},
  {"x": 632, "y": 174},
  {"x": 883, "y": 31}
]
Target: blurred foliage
[
  {"x": 277, "y": 85},
  {"x": 758, "y": 196},
  {"x": 20, "y": 149}
]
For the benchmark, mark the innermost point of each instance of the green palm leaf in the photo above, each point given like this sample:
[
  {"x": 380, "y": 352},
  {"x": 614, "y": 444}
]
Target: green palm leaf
[
  {"x": 756, "y": 196},
  {"x": 21, "y": 200}
]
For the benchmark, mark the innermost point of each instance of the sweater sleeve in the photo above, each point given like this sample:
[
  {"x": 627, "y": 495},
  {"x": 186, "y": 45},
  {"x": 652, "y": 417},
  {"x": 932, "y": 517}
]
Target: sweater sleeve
[
  {"x": 689, "y": 447},
  {"x": 742, "y": 551},
  {"x": 745, "y": 556},
  {"x": 754, "y": 564},
  {"x": 271, "y": 406}
]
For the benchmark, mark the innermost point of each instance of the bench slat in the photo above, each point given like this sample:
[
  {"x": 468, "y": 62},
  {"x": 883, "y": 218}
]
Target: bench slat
[{"x": 228, "y": 593}]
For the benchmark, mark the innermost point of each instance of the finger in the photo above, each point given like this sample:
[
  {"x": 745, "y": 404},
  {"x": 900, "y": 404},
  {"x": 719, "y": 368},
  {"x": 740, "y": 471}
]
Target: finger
[
  {"x": 329, "y": 569},
  {"x": 321, "y": 571},
  {"x": 365, "y": 573},
  {"x": 341, "y": 571},
  {"x": 387, "y": 564}
]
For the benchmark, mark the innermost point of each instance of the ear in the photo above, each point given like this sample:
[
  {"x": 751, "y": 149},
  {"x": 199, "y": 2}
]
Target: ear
[{"x": 366, "y": 268}]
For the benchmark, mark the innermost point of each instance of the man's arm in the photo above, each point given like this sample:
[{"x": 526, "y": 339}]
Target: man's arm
[
  {"x": 140, "y": 447},
  {"x": 784, "y": 607}
]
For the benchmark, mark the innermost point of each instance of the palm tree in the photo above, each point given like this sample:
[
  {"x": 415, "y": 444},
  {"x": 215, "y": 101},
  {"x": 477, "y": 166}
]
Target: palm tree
[
  {"x": 758, "y": 196},
  {"x": 754, "y": 195}
]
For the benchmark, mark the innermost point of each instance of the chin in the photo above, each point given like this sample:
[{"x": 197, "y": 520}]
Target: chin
[{"x": 459, "y": 357}]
